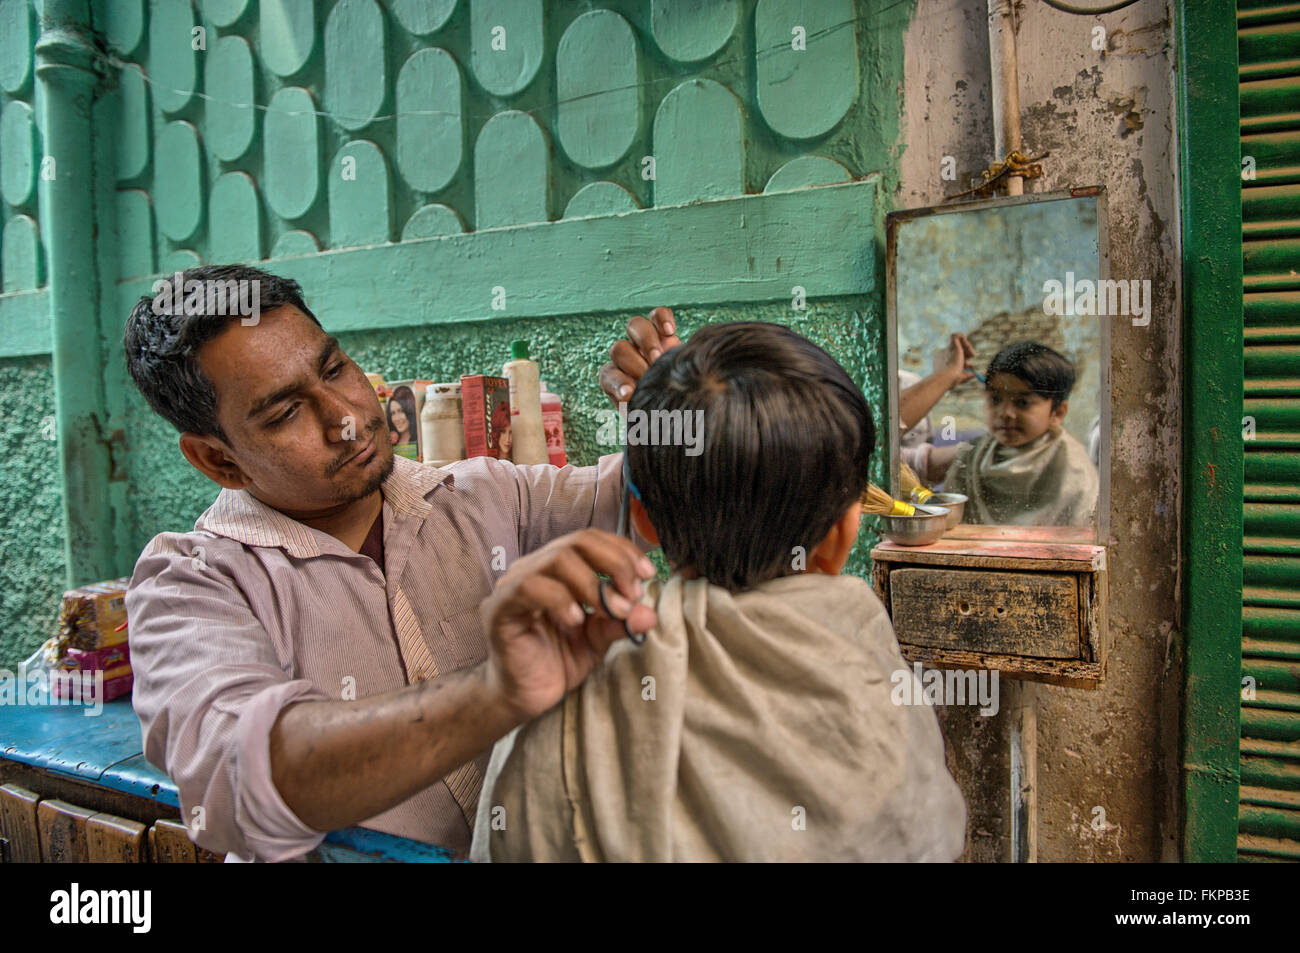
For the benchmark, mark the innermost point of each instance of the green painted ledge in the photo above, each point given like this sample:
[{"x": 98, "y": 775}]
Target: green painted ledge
[
  {"x": 25, "y": 327},
  {"x": 750, "y": 249}
]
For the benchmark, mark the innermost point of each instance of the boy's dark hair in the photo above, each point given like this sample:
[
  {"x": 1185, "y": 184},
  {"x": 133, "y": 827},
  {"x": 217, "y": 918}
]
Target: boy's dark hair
[
  {"x": 162, "y": 348},
  {"x": 1047, "y": 373},
  {"x": 787, "y": 437}
]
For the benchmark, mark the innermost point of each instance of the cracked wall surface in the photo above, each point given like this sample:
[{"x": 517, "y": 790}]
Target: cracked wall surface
[{"x": 1107, "y": 117}]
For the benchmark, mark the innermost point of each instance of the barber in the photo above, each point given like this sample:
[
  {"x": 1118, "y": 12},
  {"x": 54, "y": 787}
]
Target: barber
[{"x": 345, "y": 633}]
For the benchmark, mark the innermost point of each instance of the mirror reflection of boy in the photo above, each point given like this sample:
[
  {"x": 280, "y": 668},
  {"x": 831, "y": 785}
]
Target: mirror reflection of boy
[
  {"x": 1028, "y": 470},
  {"x": 758, "y": 721}
]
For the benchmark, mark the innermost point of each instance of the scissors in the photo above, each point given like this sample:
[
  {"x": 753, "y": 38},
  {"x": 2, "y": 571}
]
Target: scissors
[{"x": 625, "y": 530}]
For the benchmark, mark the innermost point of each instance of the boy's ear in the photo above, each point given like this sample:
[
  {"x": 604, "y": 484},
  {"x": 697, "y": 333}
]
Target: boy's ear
[
  {"x": 830, "y": 555},
  {"x": 641, "y": 520},
  {"x": 1058, "y": 412}
]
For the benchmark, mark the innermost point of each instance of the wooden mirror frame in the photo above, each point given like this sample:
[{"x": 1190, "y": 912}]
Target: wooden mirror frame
[{"x": 1099, "y": 533}]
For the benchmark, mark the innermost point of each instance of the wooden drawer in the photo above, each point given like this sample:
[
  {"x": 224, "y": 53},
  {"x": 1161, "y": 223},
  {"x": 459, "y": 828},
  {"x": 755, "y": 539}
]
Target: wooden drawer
[
  {"x": 1010, "y": 613},
  {"x": 1026, "y": 609}
]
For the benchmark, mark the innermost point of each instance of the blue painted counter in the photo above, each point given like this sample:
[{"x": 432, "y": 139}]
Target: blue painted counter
[{"x": 105, "y": 749}]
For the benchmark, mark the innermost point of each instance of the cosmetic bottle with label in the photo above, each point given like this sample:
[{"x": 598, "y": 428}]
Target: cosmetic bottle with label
[
  {"x": 527, "y": 434},
  {"x": 553, "y": 424}
]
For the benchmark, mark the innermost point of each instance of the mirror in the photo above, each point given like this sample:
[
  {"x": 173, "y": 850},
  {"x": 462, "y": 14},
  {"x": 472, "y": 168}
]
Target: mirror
[{"x": 999, "y": 352}]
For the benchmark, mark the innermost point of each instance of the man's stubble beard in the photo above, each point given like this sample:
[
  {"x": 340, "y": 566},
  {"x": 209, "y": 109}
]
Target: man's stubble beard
[{"x": 375, "y": 482}]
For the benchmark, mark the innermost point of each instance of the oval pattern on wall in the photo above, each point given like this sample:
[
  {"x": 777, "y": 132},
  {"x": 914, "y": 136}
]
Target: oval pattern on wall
[
  {"x": 291, "y": 142},
  {"x": 596, "y": 75},
  {"x": 803, "y": 93}
]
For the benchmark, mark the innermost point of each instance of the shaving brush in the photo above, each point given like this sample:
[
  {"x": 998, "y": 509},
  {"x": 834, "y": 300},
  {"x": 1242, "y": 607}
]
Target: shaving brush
[
  {"x": 879, "y": 503},
  {"x": 912, "y": 484}
]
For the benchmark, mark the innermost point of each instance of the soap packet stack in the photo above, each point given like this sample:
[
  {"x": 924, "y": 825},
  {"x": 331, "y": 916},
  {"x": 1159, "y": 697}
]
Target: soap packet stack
[{"x": 92, "y": 637}]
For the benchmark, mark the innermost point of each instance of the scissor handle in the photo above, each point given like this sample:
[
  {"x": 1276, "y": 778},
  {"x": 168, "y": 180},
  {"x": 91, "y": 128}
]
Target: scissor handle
[{"x": 637, "y": 638}]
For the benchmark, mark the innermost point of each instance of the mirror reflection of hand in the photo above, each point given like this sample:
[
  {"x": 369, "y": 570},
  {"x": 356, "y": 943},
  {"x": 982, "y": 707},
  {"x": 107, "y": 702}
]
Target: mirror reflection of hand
[{"x": 954, "y": 359}]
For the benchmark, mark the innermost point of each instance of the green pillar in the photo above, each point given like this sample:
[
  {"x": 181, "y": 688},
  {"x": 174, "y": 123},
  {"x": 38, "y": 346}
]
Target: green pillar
[
  {"x": 1213, "y": 455},
  {"x": 65, "y": 70}
]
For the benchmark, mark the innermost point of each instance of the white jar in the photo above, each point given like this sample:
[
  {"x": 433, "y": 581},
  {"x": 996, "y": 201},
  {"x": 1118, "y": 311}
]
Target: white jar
[{"x": 442, "y": 429}]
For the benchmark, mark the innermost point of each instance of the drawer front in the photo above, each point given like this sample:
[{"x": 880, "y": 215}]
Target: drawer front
[{"x": 1013, "y": 613}]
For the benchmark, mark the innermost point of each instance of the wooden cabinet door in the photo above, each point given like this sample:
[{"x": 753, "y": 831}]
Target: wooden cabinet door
[
  {"x": 63, "y": 831},
  {"x": 20, "y": 841},
  {"x": 114, "y": 840},
  {"x": 169, "y": 843}
]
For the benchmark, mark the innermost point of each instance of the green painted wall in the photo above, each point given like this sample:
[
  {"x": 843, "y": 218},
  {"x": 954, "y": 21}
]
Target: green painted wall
[
  {"x": 448, "y": 134},
  {"x": 31, "y": 500},
  {"x": 31, "y": 570}
]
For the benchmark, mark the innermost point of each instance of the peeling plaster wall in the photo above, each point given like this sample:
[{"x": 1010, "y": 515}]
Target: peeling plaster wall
[{"x": 1108, "y": 118}]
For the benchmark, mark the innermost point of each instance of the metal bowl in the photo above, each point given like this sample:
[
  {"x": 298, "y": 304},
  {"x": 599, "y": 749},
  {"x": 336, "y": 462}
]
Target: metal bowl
[
  {"x": 924, "y": 528},
  {"x": 956, "y": 504}
]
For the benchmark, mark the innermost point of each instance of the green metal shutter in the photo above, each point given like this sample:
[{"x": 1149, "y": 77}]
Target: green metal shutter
[{"x": 1268, "y": 35}]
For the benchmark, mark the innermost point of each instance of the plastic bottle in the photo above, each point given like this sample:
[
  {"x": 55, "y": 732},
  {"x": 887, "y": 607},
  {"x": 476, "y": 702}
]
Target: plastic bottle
[
  {"x": 553, "y": 424},
  {"x": 529, "y": 439},
  {"x": 442, "y": 431}
]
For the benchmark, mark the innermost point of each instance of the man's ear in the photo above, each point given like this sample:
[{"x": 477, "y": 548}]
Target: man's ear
[
  {"x": 1058, "y": 413},
  {"x": 641, "y": 520},
  {"x": 210, "y": 457},
  {"x": 830, "y": 555}
]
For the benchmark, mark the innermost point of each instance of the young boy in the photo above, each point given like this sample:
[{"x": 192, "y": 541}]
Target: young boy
[
  {"x": 756, "y": 722},
  {"x": 1027, "y": 470}
]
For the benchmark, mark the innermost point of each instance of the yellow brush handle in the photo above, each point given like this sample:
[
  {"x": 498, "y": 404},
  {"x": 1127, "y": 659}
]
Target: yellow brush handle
[
  {"x": 902, "y": 509},
  {"x": 921, "y": 494}
]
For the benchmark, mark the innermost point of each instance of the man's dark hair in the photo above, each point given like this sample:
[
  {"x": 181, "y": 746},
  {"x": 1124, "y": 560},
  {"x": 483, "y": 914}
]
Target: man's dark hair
[
  {"x": 1047, "y": 373},
  {"x": 162, "y": 348},
  {"x": 786, "y": 443}
]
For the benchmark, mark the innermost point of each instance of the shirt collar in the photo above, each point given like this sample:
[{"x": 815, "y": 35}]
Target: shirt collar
[{"x": 238, "y": 515}]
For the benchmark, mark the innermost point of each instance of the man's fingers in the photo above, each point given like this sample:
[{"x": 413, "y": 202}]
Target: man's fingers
[
  {"x": 579, "y": 559},
  {"x": 578, "y": 566},
  {"x": 600, "y": 633},
  {"x": 616, "y": 557},
  {"x": 542, "y": 593},
  {"x": 618, "y": 378},
  {"x": 645, "y": 337},
  {"x": 642, "y": 618},
  {"x": 628, "y": 359},
  {"x": 565, "y": 575},
  {"x": 571, "y": 570},
  {"x": 666, "y": 325},
  {"x": 650, "y": 337},
  {"x": 615, "y": 383}
]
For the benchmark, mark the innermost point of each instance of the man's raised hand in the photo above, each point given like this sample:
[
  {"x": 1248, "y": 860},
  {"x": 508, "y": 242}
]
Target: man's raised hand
[{"x": 630, "y": 356}]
